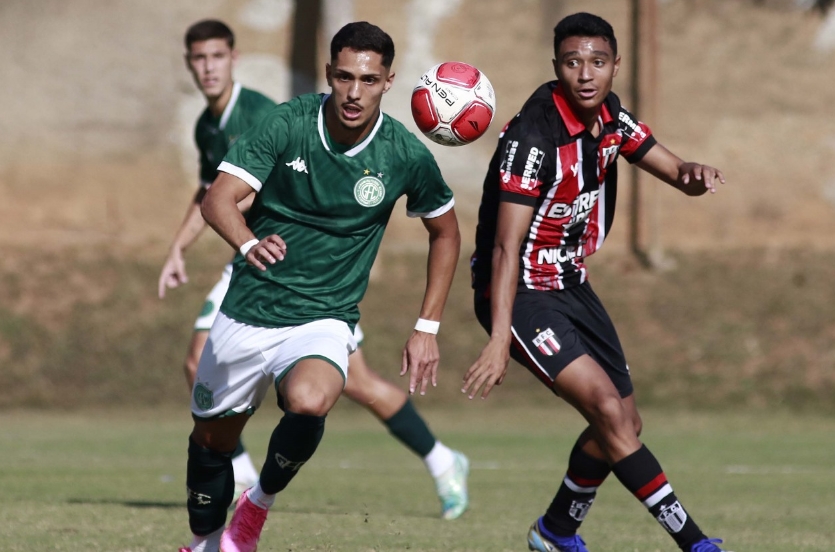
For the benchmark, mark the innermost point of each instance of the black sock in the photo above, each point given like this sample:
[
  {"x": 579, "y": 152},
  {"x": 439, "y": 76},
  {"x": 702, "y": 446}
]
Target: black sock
[
  {"x": 293, "y": 442},
  {"x": 576, "y": 493},
  {"x": 642, "y": 475},
  {"x": 411, "y": 430},
  {"x": 210, "y": 483}
]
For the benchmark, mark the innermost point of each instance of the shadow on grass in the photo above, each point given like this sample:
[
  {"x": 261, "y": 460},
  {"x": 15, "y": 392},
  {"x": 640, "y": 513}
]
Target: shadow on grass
[{"x": 127, "y": 503}]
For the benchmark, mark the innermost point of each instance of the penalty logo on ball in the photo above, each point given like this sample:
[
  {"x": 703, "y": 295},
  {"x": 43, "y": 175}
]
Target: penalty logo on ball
[{"x": 453, "y": 103}]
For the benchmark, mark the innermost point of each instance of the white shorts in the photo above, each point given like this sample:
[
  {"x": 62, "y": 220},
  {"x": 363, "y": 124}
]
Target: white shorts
[
  {"x": 212, "y": 306},
  {"x": 240, "y": 362}
]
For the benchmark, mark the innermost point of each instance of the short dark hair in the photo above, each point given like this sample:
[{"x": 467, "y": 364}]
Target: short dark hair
[
  {"x": 584, "y": 24},
  {"x": 207, "y": 30},
  {"x": 362, "y": 36}
]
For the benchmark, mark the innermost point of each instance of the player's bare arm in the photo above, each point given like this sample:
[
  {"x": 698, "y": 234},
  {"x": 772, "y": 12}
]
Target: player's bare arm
[
  {"x": 491, "y": 366},
  {"x": 173, "y": 272},
  {"x": 420, "y": 355},
  {"x": 220, "y": 209},
  {"x": 694, "y": 179}
]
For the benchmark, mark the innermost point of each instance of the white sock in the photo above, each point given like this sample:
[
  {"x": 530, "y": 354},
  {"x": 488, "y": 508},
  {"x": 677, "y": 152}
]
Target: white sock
[
  {"x": 244, "y": 469},
  {"x": 207, "y": 543},
  {"x": 439, "y": 459},
  {"x": 261, "y": 499}
]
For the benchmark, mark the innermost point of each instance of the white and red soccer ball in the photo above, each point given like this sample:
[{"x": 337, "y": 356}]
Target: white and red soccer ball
[{"x": 453, "y": 103}]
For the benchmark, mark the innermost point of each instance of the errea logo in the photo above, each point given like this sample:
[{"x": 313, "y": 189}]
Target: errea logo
[{"x": 298, "y": 165}]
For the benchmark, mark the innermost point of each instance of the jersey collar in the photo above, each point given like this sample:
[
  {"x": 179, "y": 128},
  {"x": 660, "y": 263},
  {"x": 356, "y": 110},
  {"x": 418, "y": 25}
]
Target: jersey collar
[
  {"x": 357, "y": 148},
  {"x": 233, "y": 99},
  {"x": 573, "y": 124}
]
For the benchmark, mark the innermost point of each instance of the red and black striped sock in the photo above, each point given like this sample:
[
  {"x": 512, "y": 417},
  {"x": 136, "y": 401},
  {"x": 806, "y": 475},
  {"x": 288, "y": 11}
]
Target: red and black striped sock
[
  {"x": 642, "y": 475},
  {"x": 576, "y": 493}
]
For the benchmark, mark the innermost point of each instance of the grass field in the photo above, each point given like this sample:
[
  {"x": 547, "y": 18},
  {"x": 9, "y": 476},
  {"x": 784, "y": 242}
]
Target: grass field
[{"x": 111, "y": 480}]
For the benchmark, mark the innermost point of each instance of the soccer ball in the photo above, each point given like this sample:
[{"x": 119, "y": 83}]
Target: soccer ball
[{"x": 453, "y": 103}]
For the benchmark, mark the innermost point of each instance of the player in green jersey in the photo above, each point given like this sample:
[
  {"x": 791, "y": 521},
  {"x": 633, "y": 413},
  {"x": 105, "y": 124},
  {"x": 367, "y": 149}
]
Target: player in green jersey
[
  {"x": 328, "y": 170},
  {"x": 210, "y": 57}
]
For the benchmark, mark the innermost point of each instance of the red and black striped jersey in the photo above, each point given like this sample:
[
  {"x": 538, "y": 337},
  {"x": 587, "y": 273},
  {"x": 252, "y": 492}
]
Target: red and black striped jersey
[{"x": 547, "y": 159}]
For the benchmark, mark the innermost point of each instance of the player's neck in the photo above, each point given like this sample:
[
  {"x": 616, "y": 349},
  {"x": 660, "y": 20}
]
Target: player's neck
[
  {"x": 218, "y": 105},
  {"x": 343, "y": 135}
]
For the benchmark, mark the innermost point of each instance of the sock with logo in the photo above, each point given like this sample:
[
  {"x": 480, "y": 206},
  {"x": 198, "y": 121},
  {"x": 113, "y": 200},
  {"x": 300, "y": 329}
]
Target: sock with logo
[
  {"x": 293, "y": 442},
  {"x": 642, "y": 475},
  {"x": 411, "y": 430},
  {"x": 210, "y": 484},
  {"x": 576, "y": 493}
]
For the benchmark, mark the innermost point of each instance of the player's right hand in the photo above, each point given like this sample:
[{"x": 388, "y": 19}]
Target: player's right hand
[
  {"x": 489, "y": 369},
  {"x": 173, "y": 273},
  {"x": 269, "y": 250}
]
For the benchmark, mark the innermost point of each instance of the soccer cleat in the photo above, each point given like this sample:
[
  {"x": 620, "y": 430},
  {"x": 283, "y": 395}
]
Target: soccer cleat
[
  {"x": 538, "y": 542},
  {"x": 245, "y": 528},
  {"x": 452, "y": 487},
  {"x": 707, "y": 545},
  {"x": 184, "y": 549}
]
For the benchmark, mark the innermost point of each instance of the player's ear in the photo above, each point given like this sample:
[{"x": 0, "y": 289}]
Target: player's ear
[
  {"x": 617, "y": 66},
  {"x": 389, "y": 82},
  {"x": 234, "y": 57},
  {"x": 328, "y": 75},
  {"x": 554, "y": 63}
]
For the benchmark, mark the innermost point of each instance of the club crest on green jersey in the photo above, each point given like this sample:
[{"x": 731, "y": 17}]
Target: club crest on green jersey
[{"x": 369, "y": 191}]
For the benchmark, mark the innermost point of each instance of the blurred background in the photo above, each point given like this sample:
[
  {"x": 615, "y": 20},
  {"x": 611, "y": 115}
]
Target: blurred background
[{"x": 721, "y": 302}]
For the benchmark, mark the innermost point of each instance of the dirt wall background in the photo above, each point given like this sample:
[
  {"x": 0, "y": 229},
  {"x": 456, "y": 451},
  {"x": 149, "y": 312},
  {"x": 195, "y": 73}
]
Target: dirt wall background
[{"x": 97, "y": 165}]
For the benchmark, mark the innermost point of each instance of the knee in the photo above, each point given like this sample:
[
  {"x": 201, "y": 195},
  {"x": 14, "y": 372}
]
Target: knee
[
  {"x": 608, "y": 413},
  {"x": 308, "y": 401}
]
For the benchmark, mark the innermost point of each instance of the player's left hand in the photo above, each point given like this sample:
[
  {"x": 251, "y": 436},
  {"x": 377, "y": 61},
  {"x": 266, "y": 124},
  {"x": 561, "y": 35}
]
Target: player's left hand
[
  {"x": 694, "y": 173},
  {"x": 420, "y": 358},
  {"x": 489, "y": 369}
]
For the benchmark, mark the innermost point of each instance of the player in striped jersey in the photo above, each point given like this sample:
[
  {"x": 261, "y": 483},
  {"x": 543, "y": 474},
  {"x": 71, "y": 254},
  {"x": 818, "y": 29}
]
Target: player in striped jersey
[{"x": 548, "y": 202}]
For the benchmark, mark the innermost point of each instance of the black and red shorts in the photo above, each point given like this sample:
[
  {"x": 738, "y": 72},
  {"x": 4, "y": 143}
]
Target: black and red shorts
[{"x": 551, "y": 329}]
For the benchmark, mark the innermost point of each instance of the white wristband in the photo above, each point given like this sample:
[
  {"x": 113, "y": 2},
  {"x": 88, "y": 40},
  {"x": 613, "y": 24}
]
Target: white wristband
[
  {"x": 247, "y": 246},
  {"x": 427, "y": 326}
]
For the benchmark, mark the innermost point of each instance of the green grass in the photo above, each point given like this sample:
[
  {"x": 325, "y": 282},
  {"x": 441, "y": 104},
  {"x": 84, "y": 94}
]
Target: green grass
[{"x": 114, "y": 480}]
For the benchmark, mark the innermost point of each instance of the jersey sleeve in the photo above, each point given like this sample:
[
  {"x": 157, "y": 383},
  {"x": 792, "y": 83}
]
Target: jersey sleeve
[
  {"x": 522, "y": 165},
  {"x": 253, "y": 156},
  {"x": 637, "y": 137},
  {"x": 429, "y": 196}
]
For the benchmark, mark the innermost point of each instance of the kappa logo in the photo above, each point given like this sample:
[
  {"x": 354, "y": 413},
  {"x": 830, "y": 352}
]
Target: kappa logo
[
  {"x": 298, "y": 165},
  {"x": 575, "y": 168}
]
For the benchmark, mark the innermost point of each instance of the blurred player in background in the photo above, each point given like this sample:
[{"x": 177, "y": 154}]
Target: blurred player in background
[
  {"x": 548, "y": 202},
  {"x": 232, "y": 109}
]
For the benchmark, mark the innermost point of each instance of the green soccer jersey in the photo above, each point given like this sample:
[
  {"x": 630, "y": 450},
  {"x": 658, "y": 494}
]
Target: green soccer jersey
[
  {"x": 215, "y": 135},
  {"x": 330, "y": 206}
]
